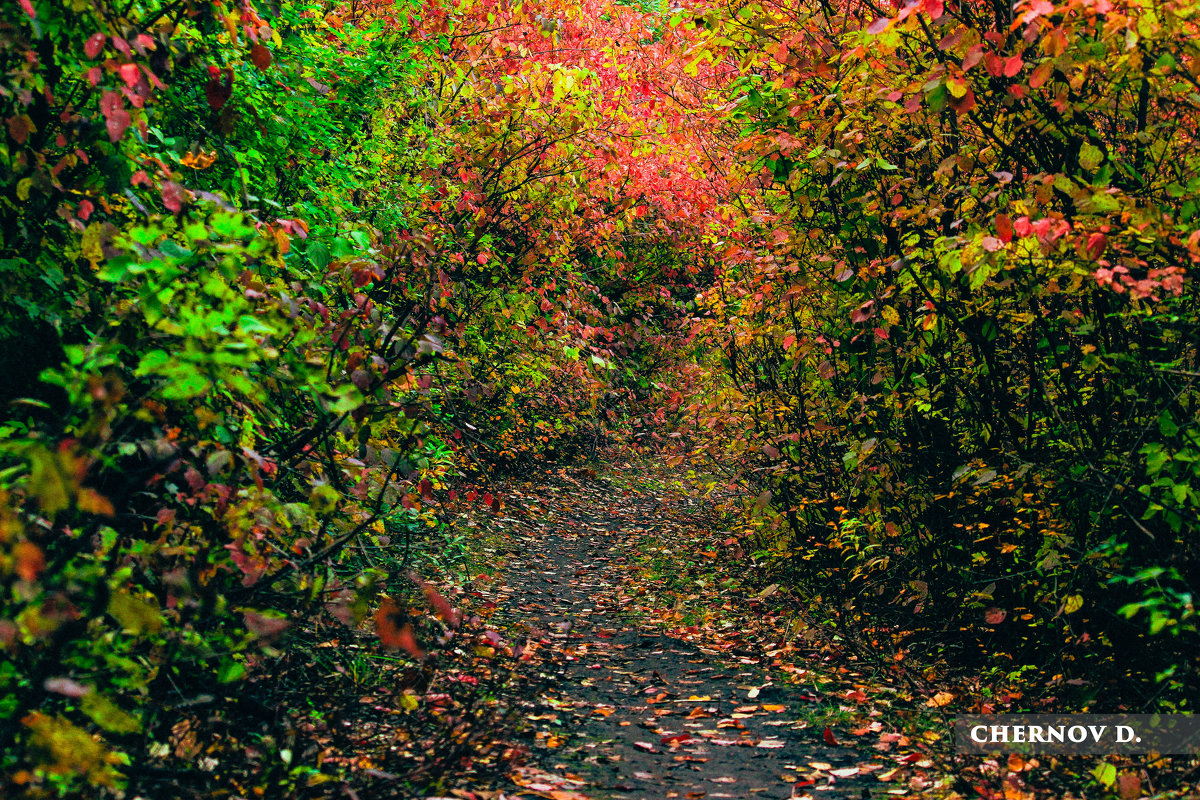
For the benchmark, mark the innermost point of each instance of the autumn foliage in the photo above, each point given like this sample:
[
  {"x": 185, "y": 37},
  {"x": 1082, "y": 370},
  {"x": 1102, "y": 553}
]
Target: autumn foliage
[
  {"x": 957, "y": 333},
  {"x": 284, "y": 282}
]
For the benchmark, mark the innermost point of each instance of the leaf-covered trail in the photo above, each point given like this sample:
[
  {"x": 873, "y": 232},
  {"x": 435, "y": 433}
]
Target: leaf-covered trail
[{"x": 632, "y": 712}]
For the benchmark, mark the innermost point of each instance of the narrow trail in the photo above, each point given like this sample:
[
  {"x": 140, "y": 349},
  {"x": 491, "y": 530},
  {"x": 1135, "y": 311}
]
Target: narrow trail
[{"x": 630, "y": 711}]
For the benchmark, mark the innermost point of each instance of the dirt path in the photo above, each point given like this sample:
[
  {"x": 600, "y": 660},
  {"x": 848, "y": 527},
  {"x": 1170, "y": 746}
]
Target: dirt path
[{"x": 632, "y": 712}]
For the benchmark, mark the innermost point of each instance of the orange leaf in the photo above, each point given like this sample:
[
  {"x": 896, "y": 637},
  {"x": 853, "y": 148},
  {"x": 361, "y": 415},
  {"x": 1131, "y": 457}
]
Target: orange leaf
[
  {"x": 93, "y": 502},
  {"x": 441, "y": 606},
  {"x": 396, "y": 636},
  {"x": 30, "y": 560}
]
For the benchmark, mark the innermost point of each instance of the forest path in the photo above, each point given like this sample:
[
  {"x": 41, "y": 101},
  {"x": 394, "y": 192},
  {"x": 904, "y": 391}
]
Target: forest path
[{"x": 645, "y": 702}]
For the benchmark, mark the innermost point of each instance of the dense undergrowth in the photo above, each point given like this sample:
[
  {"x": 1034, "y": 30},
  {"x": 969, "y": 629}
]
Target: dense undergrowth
[
  {"x": 963, "y": 373},
  {"x": 284, "y": 283},
  {"x": 279, "y": 288}
]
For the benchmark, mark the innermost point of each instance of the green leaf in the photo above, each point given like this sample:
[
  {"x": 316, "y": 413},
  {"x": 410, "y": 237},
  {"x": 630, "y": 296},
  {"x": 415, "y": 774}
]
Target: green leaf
[
  {"x": 318, "y": 254},
  {"x": 230, "y": 671},
  {"x": 1090, "y": 157},
  {"x": 115, "y": 269},
  {"x": 1105, "y": 774}
]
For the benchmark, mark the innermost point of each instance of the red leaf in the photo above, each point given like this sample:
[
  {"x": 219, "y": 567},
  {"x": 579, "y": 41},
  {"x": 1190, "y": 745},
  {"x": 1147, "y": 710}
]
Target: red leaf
[
  {"x": 965, "y": 103},
  {"x": 264, "y": 627},
  {"x": 973, "y": 57},
  {"x": 1012, "y": 66},
  {"x": 29, "y": 9},
  {"x": 1097, "y": 243},
  {"x": 677, "y": 738},
  {"x": 471, "y": 495},
  {"x": 487, "y": 498},
  {"x": 173, "y": 196},
  {"x": 94, "y": 44},
  {"x": 441, "y": 606},
  {"x": 879, "y": 26},
  {"x": 994, "y": 64},
  {"x": 85, "y": 210},
  {"x": 117, "y": 119},
  {"x": 260, "y": 56},
  {"x": 130, "y": 74},
  {"x": 219, "y": 87},
  {"x": 829, "y": 738},
  {"x": 19, "y": 127},
  {"x": 863, "y": 312},
  {"x": 994, "y": 616},
  {"x": 1038, "y": 8},
  {"x": 934, "y": 8},
  {"x": 771, "y": 452},
  {"x": 1004, "y": 228}
]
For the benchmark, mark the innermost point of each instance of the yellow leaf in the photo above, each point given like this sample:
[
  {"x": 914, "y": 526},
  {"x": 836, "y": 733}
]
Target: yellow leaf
[
  {"x": 135, "y": 615},
  {"x": 109, "y": 715},
  {"x": 67, "y": 750}
]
